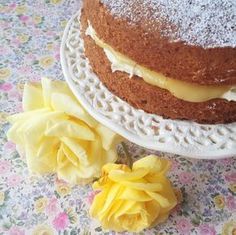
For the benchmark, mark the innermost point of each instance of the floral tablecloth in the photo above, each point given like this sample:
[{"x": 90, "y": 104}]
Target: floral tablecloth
[{"x": 30, "y": 34}]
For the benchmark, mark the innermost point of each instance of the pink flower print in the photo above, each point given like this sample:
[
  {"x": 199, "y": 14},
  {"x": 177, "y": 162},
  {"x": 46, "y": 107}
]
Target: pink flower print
[
  {"x": 52, "y": 208},
  {"x": 15, "y": 42},
  {"x": 9, "y": 146},
  {"x": 4, "y": 25},
  {"x": 14, "y": 95},
  {"x": 205, "y": 229},
  {"x": 231, "y": 202},
  {"x": 25, "y": 69},
  {"x": 50, "y": 33},
  {"x": 24, "y": 18},
  {"x": 15, "y": 231},
  {"x": 185, "y": 177},
  {"x": 30, "y": 23},
  {"x": 4, "y": 50},
  {"x": 14, "y": 180},
  {"x": 183, "y": 226},
  {"x": 5, "y": 167},
  {"x": 57, "y": 56},
  {"x": 57, "y": 48},
  {"x": 6, "y": 86},
  {"x": 12, "y": 5},
  {"x": 231, "y": 177},
  {"x": 30, "y": 57},
  {"x": 226, "y": 161},
  {"x": 61, "y": 221},
  {"x": 37, "y": 32},
  {"x": 91, "y": 196},
  {"x": 174, "y": 165},
  {"x": 19, "y": 108}
]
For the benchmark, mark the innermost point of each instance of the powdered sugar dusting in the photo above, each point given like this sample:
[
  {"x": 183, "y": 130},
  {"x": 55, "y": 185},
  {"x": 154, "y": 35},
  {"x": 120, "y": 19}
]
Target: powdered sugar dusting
[{"x": 207, "y": 23}]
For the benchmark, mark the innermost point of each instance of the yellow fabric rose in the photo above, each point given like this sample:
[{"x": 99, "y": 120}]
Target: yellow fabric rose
[
  {"x": 21, "y": 9},
  {"x": 58, "y": 135},
  {"x": 40, "y": 204},
  {"x": 63, "y": 189},
  {"x": 37, "y": 19},
  {"x": 133, "y": 199},
  {"x": 229, "y": 228},
  {"x": 232, "y": 187},
  {"x": 23, "y": 38},
  {"x": 43, "y": 230},
  {"x": 5, "y": 73},
  {"x": 56, "y": 1},
  {"x": 219, "y": 201},
  {"x": 46, "y": 62},
  {"x": 2, "y": 198}
]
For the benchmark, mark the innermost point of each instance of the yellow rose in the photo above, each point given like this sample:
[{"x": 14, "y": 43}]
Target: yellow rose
[
  {"x": 40, "y": 205},
  {"x": 219, "y": 201},
  {"x": 58, "y": 135},
  {"x": 46, "y": 62},
  {"x": 3, "y": 116},
  {"x": 56, "y": 1},
  {"x": 63, "y": 23},
  {"x": 20, "y": 86},
  {"x": 37, "y": 19},
  {"x": 23, "y": 38},
  {"x": 229, "y": 228},
  {"x": 21, "y": 9},
  {"x": 5, "y": 73},
  {"x": 133, "y": 199},
  {"x": 63, "y": 189},
  {"x": 43, "y": 230},
  {"x": 2, "y": 198},
  {"x": 232, "y": 187},
  {"x": 50, "y": 46},
  {"x": 2, "y": 9}
]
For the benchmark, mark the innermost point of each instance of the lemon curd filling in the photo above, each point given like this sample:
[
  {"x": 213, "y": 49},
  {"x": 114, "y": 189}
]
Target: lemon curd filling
[{"x": 180, "y": 89}]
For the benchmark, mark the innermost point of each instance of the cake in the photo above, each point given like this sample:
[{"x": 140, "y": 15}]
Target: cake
[{"x": 176, "y": 59}]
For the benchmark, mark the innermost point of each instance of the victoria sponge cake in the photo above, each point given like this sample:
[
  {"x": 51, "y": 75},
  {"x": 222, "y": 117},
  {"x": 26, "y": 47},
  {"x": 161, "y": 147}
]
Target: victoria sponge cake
[{"x": 174, "y": 58}]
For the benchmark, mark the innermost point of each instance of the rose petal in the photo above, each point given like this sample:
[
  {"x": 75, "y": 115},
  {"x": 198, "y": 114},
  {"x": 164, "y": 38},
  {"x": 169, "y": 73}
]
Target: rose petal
[
  {"x": 70, "y": 106},
  {"x": 43, "y": 164},
  {"x": 69, "y": 128},
  {"x": 77, "y": 149},
  {"x": 70, "y": 155},
  {"x": 154, "y": 164},
  {"x": 119, "y": 175},
  {"x": 50, "y": 87},
  {"x": 159, "y": 198},
  {"x": 32, "y": 97},
  {"x": 107, "y": 136},
  {"x": 25, "y": 116},
  {"x": 143, "y": 186},
  {"x": 135, "y": 195}
]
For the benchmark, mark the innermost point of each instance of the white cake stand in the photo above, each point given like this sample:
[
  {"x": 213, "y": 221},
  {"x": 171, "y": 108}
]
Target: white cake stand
[{"x": 151, "y": 131}]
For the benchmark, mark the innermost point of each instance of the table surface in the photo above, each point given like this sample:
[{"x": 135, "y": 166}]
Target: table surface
[{"x": 30, "y": 35}]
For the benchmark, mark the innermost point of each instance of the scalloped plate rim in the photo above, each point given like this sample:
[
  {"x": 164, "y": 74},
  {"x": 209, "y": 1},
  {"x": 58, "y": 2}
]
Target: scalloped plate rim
[{"x": 143, "y": 142}]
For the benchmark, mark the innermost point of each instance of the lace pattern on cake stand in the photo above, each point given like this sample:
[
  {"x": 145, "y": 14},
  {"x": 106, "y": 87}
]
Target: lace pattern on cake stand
[{"x": 147, "y": 130}]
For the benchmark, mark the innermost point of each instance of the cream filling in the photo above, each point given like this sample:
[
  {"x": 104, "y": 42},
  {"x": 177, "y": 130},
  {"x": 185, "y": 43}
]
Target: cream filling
[{"x": 180, "y": 89}]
